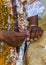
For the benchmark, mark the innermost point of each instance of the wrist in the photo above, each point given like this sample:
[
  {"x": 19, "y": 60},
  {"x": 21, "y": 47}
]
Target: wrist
[{"x": 33, "y": 20}]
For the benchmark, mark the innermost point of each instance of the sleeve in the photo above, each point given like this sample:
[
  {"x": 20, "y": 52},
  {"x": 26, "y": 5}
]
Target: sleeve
[
  {"x": 36, "y": 8},
  {"x": 16, "y": 2}
]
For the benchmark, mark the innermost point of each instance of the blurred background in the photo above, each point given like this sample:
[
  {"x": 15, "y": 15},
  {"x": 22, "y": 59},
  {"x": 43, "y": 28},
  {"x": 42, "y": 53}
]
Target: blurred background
[
  {"x": 44, "y": 2},
  {"x": 6, "y": 23},
  {"x": 42, "y": 21}
]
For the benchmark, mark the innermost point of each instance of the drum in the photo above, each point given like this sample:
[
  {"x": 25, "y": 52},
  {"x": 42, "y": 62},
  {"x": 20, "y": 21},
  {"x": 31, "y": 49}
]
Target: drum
[{"x": 36, "y": 52}]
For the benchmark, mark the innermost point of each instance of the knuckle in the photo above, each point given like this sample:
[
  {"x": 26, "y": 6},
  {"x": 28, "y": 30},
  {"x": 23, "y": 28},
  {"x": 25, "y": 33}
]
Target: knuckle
[{"x": 35, "y": 39}]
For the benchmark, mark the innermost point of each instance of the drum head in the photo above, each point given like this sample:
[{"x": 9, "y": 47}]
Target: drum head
[{"x": 36, "y": 52}]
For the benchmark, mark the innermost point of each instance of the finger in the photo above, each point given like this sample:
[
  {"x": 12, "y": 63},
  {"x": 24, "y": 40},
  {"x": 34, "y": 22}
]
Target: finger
[
  {"x": 36, "y": 33},
  {"x": 40, "y": 31},
  {"x": 31, "y": 40},
  {"x": 34, "y": 29},
  {"x": 28, "y": 39},
  {"x": 35, "y": 39},
  {"x": 32, "y": 35}
]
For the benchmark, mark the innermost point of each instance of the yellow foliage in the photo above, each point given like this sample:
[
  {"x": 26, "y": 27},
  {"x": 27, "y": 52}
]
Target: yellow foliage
[
  {"x": 4, "y": 13},
  {"x": 2, "y": 60}
]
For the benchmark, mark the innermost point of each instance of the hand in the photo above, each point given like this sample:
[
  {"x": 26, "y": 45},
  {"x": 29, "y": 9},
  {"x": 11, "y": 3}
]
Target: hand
[
  {"x": 19, "y": 39},
  {"x": 35, "y": 32},
  {"x": 13, "y": 38}
]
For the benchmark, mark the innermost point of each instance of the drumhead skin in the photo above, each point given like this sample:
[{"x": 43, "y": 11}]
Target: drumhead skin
[{"x": 36, "y": 52}]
